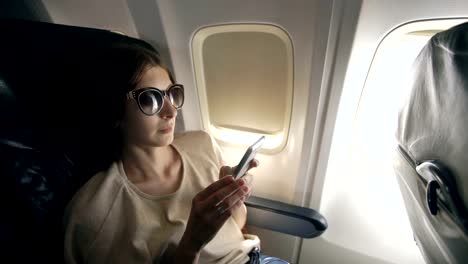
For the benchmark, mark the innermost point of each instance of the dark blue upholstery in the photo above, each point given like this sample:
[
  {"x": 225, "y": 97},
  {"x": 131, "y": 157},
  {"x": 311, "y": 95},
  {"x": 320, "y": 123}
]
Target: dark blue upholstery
[{"x": 45, "y": 150}]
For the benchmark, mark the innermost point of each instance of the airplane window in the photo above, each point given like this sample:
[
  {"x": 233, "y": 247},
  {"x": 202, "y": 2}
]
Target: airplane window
[
  {"x": 360, "y": 182},
  {"x": 245, "y": 82}
]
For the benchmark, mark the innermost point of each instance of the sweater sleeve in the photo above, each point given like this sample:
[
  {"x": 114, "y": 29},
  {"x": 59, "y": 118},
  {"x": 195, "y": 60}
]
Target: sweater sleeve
[
  {"x": 93, "y": 223},
  {"x": 78, "y": 228}
]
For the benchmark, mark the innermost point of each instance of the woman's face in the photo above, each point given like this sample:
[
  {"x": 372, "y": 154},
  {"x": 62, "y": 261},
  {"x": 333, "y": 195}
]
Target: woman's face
[{"x": 156, "y": 130}]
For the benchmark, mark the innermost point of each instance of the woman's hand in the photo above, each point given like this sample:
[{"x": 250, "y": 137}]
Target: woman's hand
[
  {"x": 226, "y": 170},
  {"x": 240, "y": 213},
  {"x": 210, "y": 210}
]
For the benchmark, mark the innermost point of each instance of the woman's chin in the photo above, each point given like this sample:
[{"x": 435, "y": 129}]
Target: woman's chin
[{"x": 164, "y": 139}]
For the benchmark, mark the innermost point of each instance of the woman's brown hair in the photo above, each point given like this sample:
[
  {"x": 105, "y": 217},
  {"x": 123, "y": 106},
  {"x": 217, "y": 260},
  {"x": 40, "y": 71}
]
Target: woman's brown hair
[{"x": 101, "y": 79}]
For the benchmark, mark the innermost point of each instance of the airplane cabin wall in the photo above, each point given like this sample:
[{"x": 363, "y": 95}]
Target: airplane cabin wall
[{"x": 376, "y": 20}]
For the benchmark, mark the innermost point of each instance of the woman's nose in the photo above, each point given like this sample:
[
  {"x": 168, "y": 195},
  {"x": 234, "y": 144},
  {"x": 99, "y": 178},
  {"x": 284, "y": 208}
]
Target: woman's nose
[{"x": 168, "y": 111}]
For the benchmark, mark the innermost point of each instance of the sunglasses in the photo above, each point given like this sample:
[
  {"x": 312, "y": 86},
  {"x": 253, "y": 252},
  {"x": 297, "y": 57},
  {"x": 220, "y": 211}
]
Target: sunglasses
[{"x": 151, "y": 100}]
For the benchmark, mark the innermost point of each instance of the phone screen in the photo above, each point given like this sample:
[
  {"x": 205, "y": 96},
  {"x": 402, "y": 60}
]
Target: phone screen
[{"x": 249, "y": 155}]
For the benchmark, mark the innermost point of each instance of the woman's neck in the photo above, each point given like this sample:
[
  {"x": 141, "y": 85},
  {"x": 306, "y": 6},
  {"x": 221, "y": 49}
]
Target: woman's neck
[{"x": 143, "y": 164}]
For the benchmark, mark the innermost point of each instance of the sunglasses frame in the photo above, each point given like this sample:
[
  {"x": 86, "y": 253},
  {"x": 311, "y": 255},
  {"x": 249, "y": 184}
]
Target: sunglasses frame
[{"x": 136, "y": 95}]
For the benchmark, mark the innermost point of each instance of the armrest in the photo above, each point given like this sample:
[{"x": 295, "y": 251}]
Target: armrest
[{"x": 285, "y": 218}]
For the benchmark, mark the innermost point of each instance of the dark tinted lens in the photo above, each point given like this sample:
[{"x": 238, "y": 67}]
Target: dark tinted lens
[
  {"x": 176, "y": 96},
  {"x": 150, "y": 101}
]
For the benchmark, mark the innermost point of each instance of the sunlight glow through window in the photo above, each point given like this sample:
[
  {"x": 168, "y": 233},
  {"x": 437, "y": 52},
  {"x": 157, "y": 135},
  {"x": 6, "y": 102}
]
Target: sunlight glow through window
[{"x": 244, "y": 76}]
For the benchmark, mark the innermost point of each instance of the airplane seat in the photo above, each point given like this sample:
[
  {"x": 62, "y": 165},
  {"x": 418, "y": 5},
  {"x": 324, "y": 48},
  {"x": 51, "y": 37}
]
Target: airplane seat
[
  {"x": 44, "y": 147},
  {"x": 432, "y": 162}
]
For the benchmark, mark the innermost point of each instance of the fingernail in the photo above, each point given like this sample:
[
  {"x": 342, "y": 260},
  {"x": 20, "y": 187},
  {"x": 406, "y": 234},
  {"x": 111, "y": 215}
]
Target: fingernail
[
  {"x": 241, "y": 182},
  {"x": 245, "y": 188}
]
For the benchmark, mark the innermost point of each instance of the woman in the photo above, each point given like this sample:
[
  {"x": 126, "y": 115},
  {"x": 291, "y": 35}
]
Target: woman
[{"x": 164, "y": 198}]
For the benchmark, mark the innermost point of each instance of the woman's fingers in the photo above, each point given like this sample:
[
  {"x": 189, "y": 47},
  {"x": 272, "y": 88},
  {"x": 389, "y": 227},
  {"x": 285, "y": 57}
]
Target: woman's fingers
[
  {"x": 248, "y": 178},
  {"x": 224, "y": 192},
  {"x": 212, "y": 188},
  {"x": 254, "y": 163},
  {"x": 217, "y": 192},
  {"x": 225, "y": 170},
  {"x": 237, "y": 198},
  {"x": 227, "y": 198}
]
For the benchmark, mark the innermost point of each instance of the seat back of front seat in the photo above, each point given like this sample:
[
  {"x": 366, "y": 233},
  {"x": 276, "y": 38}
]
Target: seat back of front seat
[{"x": 431, "y": 161}]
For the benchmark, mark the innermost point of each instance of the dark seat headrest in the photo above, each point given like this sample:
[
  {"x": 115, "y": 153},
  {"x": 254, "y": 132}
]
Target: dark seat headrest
[
  {"x": 433, "y": 123},
  {"x": 39, "y": 63},
  {"x": 40, "y": 171}
]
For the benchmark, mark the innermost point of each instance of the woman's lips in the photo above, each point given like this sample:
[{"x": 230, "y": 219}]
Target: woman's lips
[{"x": 166, "y": 130}]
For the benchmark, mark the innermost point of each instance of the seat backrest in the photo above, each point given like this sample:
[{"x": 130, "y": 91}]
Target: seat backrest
[
  {"x": 432, "y": 162},
  {"x": 41, "y": 163}
]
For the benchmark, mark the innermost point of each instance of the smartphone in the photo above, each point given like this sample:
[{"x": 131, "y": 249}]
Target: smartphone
[{"x": 249, "y": 155}]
